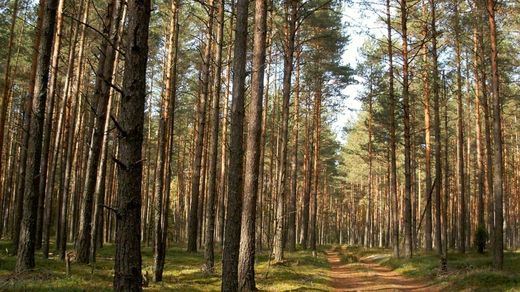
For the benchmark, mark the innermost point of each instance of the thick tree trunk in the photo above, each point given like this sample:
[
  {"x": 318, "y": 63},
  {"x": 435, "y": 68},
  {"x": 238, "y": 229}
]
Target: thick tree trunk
[
  {"x": 437, "y": 131},
  {"x": 163, "y": 157},
  {"x": 460, "y": 137},
  {"x": 6, "y": 90},
  {"x": 427, "y": 144},
  {"x": 26, "y": 245},
  {"x": 313, "y": 228},
  {"x": 209, "y": 256},
  {"x": 408, "y": 244},
  {"x": 291, "y": 209},
  {"x": 393, "y": 138},
  {"x": 246, "y": 269},
  {"x": 498, "y": 255},
  {"x": 193, "y": 227},
  {"x": 127, "y": 269},
  {"x": 96, "y": 235},
  {"x": 45, "y": 198},
  {"x": 235, "y": 179},
  {"x": 101, "y": 95},
  {"x": 27, "y": 113},
  {"x": 291, "y": 15}
]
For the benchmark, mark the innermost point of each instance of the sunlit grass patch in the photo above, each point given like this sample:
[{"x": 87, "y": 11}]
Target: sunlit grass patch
[{"x": 182, "y": 272}]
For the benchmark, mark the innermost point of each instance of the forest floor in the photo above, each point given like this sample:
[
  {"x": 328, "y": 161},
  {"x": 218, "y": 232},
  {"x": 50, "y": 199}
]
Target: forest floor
[
  {"x": 334, "y": 268},
  {"x": 367, "y": 275},
  {"x": 357, "y": 268},
  {"x": 183, "y": 272}
]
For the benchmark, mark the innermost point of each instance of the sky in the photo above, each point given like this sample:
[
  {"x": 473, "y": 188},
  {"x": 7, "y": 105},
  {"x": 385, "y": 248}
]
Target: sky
[{"x": 358, "y": 21}]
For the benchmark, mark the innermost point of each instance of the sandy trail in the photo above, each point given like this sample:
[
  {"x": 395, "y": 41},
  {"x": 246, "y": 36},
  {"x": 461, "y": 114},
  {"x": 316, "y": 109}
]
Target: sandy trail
[{"x": 369, "y": 276}]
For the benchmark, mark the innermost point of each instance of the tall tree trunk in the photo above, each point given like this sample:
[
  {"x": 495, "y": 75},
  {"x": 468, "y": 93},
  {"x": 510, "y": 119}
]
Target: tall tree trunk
[
  {"x": 127, "y": 269},
  {"x": 7, "y": 88},
  {"x": 498, "y": 176},
  {"x": 291, "y": 221},
  {"x": 291, "y": 16},
  {"x": 96, "y": 235},
  {"x": 27, "y": 113},
  {"x": 393, "y": 136},
  {"x": 101, "y": 96},
  {"x": 26, "y": 245},
  {"x": 193, "y": 227},
  {"x": 235, "y": 179},
  {"x": 436, "y": 202},
  {"x": 246, "y": 269},
  {"x": 427, "y": 143},
  {"x": 460, "y": 136},
  {"x": 313, "y": 228},
  {"x": 161, "y": 184},
  {"x": 44, "y": 198},
  {"x": 209, "y": 256},
  {"x": 408, "y": 244},
  {"x": 478, "y": 125}
]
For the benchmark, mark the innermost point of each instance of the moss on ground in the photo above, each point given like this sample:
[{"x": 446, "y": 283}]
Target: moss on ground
[{"x": 300, "y": 272}]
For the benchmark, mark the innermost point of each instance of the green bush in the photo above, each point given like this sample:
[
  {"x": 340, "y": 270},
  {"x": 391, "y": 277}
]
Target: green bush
[{"x": 480, "y": 239}]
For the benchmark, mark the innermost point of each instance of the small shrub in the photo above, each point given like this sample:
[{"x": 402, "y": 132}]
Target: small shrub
[{"x": 480, "y": 239}]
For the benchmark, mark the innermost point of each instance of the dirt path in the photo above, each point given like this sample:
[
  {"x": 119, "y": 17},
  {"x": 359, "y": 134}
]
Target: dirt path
[{"x": 369, "y": 276}]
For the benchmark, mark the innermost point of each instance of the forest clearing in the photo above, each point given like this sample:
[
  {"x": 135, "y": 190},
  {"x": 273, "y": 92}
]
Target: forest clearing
[{"x": 273, "y": 145}]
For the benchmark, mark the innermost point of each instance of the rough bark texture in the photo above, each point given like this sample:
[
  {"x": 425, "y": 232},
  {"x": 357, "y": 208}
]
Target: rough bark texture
[
  {"x": 209, "y": 256},
  {"x": 408, "y": 244},
  {"x": 101, "y": 96},
  {"x": 26, "y": 244},
  {"x": 427, "y": 144},
  {"x": 291, "y": 208},
  {"x": 193, "y": 227},
  {"x": 6, "y": 90},
  {"x": 163, "y": 157},
  {"x": 246, "y": 269},
  {"x": 460, "y": 137},
  {"x": 436, "y": 202},
  {"x": 45, "y": 199},
  {"x": 393, "y": 139},
  {"x": 498, "y": 255},
  {"x": 290, "y": 32},
  {"x": 127, "y": 270},
  {"x": 235, "y": 179},
  {"x": 27, "y": 113},
  {"x": 313, "y": 228}
]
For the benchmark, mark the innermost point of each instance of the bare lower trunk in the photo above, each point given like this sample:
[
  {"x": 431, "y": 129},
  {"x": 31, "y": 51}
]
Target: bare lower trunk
[
  {"x": 235, "y": 179},
  {"x": 127, "y": 269},
  {"x": 246, "y": 270},
  {"x": 26, "y": 245}
]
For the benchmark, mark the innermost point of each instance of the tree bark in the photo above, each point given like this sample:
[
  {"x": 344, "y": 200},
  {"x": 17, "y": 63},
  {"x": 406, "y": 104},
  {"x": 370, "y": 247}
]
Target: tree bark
[
  {"x": 291, "y": 16},
  {"x": 193, "y": 227},
  {"x": 408, "y": 244},
  {"x": 498, "y": 176},
  {"x": 437, "y": 131},
  {"x": 209, "y": 256},
  {"x": 102, "y": 89},
  {"x": 26, "y": 245},
  {"x": 127, "y": 269},
  {"x": 393, "y": 138},
  {"x": 246, "y": 269},
  {"x": 235, "y": 179},
  {"x": 460, "y": 137}
]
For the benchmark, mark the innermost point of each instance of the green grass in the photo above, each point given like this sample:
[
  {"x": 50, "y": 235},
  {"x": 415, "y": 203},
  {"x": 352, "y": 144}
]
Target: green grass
[
  {"x": 300, "y": 272},
  {"x": 470, "y": 271}
]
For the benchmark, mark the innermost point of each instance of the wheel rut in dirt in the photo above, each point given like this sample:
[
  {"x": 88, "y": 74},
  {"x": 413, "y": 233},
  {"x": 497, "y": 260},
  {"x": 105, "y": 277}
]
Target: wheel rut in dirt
[{"x": 367, "y": 275}]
